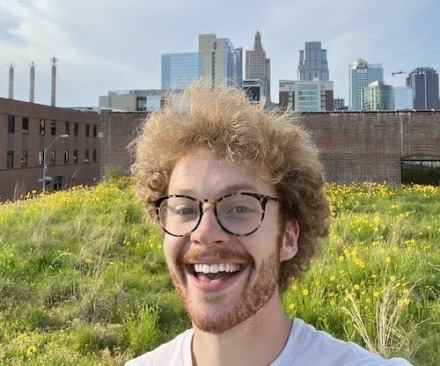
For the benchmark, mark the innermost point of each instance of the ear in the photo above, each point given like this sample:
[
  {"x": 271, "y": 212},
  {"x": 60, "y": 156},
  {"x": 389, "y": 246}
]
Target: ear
[{"x": 289, "y": 244}]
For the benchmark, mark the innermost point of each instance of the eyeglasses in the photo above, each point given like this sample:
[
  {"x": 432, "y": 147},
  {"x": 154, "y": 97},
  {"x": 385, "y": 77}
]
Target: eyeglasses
[{"x": 239, "y": 213}]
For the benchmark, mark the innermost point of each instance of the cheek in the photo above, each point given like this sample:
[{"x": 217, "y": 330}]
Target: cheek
[{"x": 170, "y": 248}]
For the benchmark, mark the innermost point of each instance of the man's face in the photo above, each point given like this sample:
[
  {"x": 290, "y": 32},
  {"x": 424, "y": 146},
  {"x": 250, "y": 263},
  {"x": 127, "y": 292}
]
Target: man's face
[{"x": 223, "y": 279}]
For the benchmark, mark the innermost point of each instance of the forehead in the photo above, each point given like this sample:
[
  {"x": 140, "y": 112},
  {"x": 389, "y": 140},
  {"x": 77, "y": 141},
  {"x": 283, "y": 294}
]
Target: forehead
[{"x": 203, "y": 174}]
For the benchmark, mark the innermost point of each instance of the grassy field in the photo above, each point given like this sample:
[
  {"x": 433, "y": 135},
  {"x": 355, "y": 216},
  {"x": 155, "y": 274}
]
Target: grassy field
[{"x": 83, "y": 280}]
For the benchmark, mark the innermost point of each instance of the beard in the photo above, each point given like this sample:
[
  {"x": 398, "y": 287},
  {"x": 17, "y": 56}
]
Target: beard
[{"x": 211, "y": 314}]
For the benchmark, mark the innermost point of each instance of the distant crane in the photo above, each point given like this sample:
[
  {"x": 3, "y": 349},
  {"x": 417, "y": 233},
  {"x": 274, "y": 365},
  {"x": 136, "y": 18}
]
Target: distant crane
[
  {"x": 408, "y": 72},
  {"x": 399, "y": 72},
  {"x": 423, "y": 71}
]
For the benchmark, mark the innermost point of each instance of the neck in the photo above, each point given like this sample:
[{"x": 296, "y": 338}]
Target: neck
[{"x": 256, "y": 341}]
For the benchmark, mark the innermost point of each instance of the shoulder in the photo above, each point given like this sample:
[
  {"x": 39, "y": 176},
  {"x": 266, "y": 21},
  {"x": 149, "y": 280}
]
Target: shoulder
[
  {"x": 175, "y": 352},
  {"x": 308, "y": 346}
]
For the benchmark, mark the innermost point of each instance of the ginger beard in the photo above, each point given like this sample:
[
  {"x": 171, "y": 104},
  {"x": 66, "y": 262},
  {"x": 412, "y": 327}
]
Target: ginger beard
[{"x": 260, "y": 288}]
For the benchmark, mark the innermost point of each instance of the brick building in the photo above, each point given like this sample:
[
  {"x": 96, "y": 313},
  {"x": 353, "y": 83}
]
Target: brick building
[
  {"x": 391, "y": 147},
  {"x": 27, "y": 130}
]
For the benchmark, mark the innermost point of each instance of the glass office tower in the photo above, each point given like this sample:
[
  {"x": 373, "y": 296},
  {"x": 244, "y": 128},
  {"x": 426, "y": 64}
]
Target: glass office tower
[
  {"x": 313, "y": 63},
  {"x": 180, "y": 70},
  {"x": 424, "y": 83},
  {"x": 361, "y": 75}
]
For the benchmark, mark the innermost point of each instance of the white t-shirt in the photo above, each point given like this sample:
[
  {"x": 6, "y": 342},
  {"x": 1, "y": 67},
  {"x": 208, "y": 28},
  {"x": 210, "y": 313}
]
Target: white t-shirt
[{"x": 305, "y": 346}]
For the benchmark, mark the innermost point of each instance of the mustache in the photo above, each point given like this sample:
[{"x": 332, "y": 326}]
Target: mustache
[{"x": 226, "y": 254}]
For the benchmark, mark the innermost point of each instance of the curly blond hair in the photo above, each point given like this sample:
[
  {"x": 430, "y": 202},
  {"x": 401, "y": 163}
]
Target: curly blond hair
[{"x": 269, "y": 143}]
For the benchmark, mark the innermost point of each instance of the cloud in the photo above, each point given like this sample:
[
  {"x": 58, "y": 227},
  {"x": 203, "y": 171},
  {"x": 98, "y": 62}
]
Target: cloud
[{"x": 103, "y": 45}]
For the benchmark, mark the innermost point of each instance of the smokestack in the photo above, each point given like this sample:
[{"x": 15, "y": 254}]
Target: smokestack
[
  {"x": 54, "y": 61},
  {"x": 32, "y": 84},
  {"x": 11, "y": 81}
]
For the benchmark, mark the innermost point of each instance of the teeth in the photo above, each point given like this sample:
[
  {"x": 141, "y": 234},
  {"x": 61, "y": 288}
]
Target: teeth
[{"x": 215, "y": 268}]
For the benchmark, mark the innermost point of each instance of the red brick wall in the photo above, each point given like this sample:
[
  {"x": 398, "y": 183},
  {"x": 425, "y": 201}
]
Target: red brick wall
[
  {"x": 369, "y": 146},
  {"x": 355, "y": 146},
  {"x": 118, "y": 130}
]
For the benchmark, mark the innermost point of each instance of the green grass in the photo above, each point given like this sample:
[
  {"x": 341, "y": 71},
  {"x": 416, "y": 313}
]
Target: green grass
[{"x": 83, "y": 280}]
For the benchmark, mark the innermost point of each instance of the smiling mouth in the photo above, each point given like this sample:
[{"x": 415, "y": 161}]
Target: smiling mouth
[{"x": 204, "y": 271}]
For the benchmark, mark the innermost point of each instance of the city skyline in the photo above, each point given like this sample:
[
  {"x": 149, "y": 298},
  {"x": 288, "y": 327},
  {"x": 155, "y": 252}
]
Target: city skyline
[{"x": 112, "y": 46}]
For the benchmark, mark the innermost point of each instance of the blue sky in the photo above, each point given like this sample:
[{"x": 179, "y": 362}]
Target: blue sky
[{"x": 106, "y": 45}]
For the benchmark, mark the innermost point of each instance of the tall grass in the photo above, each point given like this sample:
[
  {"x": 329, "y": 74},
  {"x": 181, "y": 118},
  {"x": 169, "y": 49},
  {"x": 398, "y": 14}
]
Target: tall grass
[{"x": 83, "y": 280}]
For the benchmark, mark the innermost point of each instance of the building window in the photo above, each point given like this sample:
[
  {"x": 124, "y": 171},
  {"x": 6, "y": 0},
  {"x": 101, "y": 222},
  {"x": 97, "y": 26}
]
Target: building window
[
  {"x": 52, "y": 157},
  {"x": 66, "y": 156},
  {"x": 40, "y": 157},
  {"x": 86, "y": 156},
  {"x": 53, "y": 128},
  {"x": 10, "y": 159},
  {"x": 87, "y": 130},
  {"x": 66, "y": 128},
  {"x": 25, "y": 126},
  {"x": 75, "y": 129},
  {"x": 24, "y": 159},
  {"x": 75, "y": 156},
  {"x": 94, "y": 155},
  {"x": 42, "y": 126},
  {"x": 11, "y": 124},
  {"x": 95, "y": 131}
]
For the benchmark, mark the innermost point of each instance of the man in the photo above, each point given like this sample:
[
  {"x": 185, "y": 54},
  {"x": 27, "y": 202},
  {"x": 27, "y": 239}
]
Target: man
[{"x": 239, "y": 195}]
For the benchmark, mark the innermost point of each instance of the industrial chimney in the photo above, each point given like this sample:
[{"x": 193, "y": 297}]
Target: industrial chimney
[
  {"x": 32, "y": 84},
  {"x": 54, "y": 61},
  {"x": 11, "y": 81}
]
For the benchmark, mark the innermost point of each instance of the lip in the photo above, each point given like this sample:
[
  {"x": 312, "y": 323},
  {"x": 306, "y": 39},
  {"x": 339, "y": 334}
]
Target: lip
[{"x": 216, "y": 285}]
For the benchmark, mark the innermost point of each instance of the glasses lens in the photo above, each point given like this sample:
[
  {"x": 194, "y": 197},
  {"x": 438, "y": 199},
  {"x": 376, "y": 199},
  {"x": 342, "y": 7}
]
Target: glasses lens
[
  {"x": 179, "y": 215},
  {"x": 240, "y": 214}
]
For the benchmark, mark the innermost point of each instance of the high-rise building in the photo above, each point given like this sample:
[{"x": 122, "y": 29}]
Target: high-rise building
[
  {"x": 361, "y": 75},
  {"x": 180, "y": 70},
  {"x": 378, "y": 96},
  {"x": 258, "y": 66},
  {"x": 221, "y": 62},
  {"x": 217, "y": 61},
  {"x": 424, "y": 83},
  {"x": 313, "y": 63},
  {"x": 312, "y": 92}
]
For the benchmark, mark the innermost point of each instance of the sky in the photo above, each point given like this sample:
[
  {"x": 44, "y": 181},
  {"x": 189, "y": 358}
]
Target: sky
[{"x": 104, "y": 45}]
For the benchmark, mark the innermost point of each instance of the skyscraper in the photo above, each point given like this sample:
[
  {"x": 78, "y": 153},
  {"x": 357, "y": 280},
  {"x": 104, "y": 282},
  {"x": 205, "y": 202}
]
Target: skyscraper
[
  {"x": 313, "y": 63},
  {"x": 424, "y": 83},
  {"x": 217, "y": 61},
  {"x": 258, "y": 66},
  {"x": 361, "y": 75},
  {"x": 378, "y": 96},
  {"x": 313, "y": 91},
  {"x": 180, "y": 70},
  {"x": 221, "y": 62}
]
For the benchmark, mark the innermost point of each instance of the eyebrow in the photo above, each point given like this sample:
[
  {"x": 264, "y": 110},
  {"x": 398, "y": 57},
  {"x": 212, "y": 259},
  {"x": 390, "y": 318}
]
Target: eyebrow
[{"x": 228, "y": 189}]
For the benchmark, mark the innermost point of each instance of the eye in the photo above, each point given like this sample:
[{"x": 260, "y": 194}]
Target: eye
[
  {"x": 180, "y": 209},
  {"x": 239, "y": 209},
  {"x": 185, "y": 210}
]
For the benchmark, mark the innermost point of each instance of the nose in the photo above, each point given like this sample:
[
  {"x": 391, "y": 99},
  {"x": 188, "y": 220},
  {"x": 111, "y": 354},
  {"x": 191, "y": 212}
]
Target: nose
[{"x": 209, "y": 231}]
